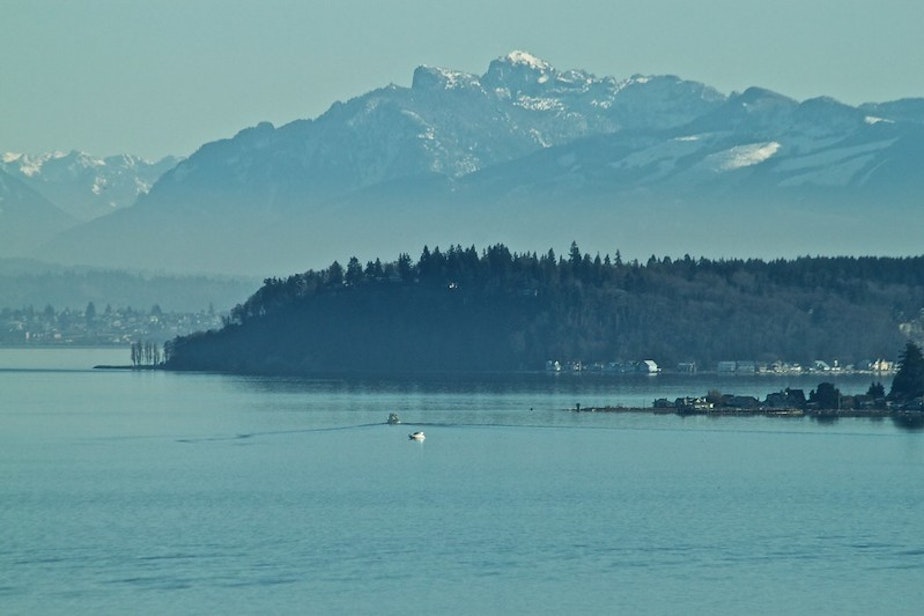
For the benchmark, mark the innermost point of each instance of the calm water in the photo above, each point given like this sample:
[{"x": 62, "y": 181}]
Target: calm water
[{"x": 159, "y": 493}]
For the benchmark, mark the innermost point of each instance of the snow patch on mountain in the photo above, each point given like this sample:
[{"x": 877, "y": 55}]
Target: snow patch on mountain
[
  {"x": 536, "y": 103},
  {"x": 522, "y": 57},
  {"x": 28, "y": 165},
  {"x": 428, "y": 134},
  {"x": 99, "y": 185},
  {"x": 743, "y": 156},
  {"x": 540, "y": 139}
]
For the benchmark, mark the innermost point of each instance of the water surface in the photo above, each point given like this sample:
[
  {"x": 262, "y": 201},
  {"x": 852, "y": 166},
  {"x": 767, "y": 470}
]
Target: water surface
[{"x": 150, "y": 492}]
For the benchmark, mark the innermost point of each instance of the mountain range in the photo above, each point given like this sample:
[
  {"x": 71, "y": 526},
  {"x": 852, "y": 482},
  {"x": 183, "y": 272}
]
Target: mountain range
[
  {"x": 524, "y": 154},
  {"x": 85, "y": 186},
  {"x": 43, "y": 195}
]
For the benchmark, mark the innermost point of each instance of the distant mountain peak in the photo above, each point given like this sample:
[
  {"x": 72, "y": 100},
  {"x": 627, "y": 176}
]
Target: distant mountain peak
[
  {"x": 434, "y": 77},
  {"x": 517, "y": 57},
  {"x": 29, "y": 165},
  {"x": 83, "y": 185},
  {"x": 74, "y": 161},
  {"x": 519, "y": 71},
  {"x": 762, "y": 96}
]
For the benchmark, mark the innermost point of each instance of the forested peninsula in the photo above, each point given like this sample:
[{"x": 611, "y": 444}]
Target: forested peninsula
[{"x": 497, "y": 310}]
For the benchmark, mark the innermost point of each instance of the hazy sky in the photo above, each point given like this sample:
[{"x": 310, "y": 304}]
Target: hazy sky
[{"x": 157, "y": 77}]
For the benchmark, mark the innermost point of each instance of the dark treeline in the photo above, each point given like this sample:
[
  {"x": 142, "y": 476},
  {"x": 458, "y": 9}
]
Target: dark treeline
[{"x": 496, "y": 310}]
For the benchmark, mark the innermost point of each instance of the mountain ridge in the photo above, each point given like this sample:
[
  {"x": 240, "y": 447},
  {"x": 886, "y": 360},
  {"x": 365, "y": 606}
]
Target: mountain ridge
[{"x": 519, "y": 154}]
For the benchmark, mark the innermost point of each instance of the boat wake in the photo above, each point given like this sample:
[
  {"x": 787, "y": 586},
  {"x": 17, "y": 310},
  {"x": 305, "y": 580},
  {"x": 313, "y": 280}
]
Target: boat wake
[{"x": 250, "y": 435}]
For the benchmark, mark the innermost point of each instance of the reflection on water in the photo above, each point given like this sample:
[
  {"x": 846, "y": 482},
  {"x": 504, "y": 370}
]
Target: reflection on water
[{"x": 910, "y": 422}]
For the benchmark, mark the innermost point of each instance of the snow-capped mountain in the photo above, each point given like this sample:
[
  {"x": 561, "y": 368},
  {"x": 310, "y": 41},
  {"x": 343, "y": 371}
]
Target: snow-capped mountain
[
  {"x": 756, "y": 145},
  {"x": 534, "y": 156},
  {"x": 86, "y": 186},
  {"x": 448, "y": 123}
]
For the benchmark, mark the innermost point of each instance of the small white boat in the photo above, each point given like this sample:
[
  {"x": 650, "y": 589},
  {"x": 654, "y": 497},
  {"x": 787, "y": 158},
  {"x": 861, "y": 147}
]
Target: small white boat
[{"x": 417, "y": 436}]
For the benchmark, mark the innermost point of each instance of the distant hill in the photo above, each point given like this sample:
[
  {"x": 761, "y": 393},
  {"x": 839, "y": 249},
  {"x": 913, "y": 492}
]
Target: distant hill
[
  {"x": 460, "y": 310},
  {"x": 527, "y": 154},
  {"x": 26, "y": 283},
  {"x": 26, "y": 217}
]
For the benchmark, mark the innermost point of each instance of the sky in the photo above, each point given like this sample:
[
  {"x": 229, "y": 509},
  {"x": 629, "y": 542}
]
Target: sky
[{"x": 159, "y": 77}]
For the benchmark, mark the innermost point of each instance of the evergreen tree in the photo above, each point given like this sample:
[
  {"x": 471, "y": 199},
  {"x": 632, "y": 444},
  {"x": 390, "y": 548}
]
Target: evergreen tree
[
  {"x": 90, "y": 316},
  {"x": 354, "y": 272},
  {"x": 405, "y": 268},
  {"x": 909, "y": 380},
  {"x": 335, "y": 274},
  {"x": 876, "y": 390},
  {"x": 827, "y": 396}
]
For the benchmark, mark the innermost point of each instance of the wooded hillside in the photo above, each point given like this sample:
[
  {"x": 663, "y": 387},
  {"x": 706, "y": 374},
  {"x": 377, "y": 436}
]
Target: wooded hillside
[{"x": 498, "y": 311}]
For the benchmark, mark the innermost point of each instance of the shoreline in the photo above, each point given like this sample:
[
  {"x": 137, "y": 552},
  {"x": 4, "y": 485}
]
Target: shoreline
[{"x": 822, "y": 414}]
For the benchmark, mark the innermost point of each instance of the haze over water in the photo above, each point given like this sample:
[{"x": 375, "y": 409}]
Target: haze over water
[{"x": 152, "y": 492}]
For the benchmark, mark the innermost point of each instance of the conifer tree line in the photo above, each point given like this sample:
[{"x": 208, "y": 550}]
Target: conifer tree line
[{"x": 461, "y": 309}]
